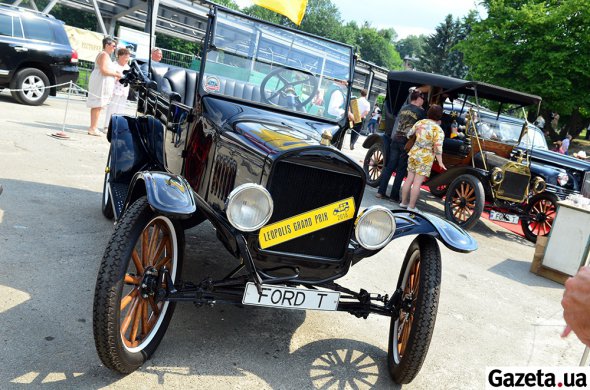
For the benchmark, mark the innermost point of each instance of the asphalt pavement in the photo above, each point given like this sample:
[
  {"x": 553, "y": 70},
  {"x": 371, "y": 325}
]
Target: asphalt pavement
[{"x": 493, "y": 312}]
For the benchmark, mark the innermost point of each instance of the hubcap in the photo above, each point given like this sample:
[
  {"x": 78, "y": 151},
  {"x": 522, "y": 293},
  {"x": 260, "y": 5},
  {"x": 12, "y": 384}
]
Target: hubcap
[{"x": 33, "y": 87}]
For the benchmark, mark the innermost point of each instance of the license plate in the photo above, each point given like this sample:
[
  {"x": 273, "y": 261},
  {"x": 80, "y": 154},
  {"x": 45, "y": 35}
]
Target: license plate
[
  {"x": 503, "y": 217},
  {"x": 290, "y": 298}
]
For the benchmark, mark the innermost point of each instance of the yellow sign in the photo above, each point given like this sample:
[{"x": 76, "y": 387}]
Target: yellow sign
[{"x": 306, "y": 223}]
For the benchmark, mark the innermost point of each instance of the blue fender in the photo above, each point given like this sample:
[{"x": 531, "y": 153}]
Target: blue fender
[
  {"x": 167, "y": 194},
  {"x": 451, "y": 235}
]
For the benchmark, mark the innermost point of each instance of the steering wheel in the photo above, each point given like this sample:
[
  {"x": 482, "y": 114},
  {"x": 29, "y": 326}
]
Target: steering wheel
[{"x": 286, "y": 92}]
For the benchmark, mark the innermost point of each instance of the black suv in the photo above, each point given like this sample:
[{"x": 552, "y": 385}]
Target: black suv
[{"x": 35, "y": 52}]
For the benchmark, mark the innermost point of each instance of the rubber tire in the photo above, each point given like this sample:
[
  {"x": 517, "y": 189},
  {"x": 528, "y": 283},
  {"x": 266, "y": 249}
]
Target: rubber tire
[
  {"x": 529, "y": 235},
  {"x": 405, "y": 368},
  {"x": 375, "y": 148},
  {"x": 106, "y": 201},
  {"x": 479, "y": 200},
  {"x": 109, "y": 286},
  {"x": 17, "y": 83}
]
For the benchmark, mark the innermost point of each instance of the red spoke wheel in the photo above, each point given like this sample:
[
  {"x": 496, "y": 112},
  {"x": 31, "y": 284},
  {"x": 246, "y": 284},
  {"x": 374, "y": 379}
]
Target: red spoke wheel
[
  {"x": 540, "y": 214},
  {"x": 374, "y": 164},
  {"x": 411, "y": 330},
  {"x": 129, "y": 321},
  {"x": 464, "y": 201}
]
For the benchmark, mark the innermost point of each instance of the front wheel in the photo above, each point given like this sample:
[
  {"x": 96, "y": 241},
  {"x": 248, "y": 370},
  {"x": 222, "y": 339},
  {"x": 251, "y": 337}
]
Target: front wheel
[
  {"x": 374, "y": 164},
  {"x": 128, "y": 319},
  {"x": 464, "y": 201},
  {"x": 540, "y": 214},
  {"x": 410, "y": 332}
]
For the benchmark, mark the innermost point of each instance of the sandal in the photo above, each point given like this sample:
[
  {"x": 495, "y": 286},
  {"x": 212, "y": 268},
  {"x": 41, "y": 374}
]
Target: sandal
[{"x": 95, "y": 133}]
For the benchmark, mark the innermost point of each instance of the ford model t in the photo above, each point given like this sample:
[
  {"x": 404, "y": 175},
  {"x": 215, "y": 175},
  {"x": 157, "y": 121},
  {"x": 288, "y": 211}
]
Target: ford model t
[
  {"x": 246, "y": 145},
  {"x": 489, "y": 163}
]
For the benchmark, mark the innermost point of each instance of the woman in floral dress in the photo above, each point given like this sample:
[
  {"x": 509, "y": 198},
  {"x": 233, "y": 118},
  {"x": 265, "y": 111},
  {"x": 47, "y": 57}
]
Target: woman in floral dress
[{"x": 428, "y": 146}]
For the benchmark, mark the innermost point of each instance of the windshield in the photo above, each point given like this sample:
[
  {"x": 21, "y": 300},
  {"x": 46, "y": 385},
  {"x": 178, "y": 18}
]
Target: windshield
[{"x": 264, "y": 64}]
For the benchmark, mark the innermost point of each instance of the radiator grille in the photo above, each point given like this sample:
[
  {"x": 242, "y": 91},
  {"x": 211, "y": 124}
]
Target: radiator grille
[
  {"x": 298, "y": 188},
  {"x": 224, "y": 177},
  {"x": 514, "y": 186}
]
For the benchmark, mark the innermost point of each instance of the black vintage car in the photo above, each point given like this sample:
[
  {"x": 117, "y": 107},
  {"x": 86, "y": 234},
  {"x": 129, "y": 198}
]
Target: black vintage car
[
  {"x": 493, "y": 167},
  {"x": 244, "y": 145}
]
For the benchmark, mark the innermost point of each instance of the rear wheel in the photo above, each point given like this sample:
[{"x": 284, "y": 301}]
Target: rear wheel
[
  {"x": 128, "y": 319},
  {"x": 410, "y": 332},
  {"x": 107, "y": 204},
  {"x": 540, "y": 214},
  {"x": 373, "y": 164},
  {"x": 464, "y": 201},
  {"x": 31, "y": 86}
]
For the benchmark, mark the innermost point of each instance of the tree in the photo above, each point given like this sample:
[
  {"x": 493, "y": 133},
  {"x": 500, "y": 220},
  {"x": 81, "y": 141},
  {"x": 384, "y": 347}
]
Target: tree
[
  {"x": 412, "y": 46},
  {"x": 440, "y": 54},
  {"x": 540, "y": 47}
]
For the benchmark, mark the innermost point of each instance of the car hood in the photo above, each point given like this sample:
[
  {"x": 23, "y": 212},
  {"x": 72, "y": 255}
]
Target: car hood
[
  {"x": 558, "y": 159},
  {"x": 271, "y": 131}
]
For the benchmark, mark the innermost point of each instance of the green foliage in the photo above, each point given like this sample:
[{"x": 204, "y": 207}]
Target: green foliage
[
  {"x": 231, "y": 4},
  {"x": 411, "y": 46},
  {"x": 536, "y": 46},
  {"x": 171, "y": 43},
  {"x": 440, "y": 54}
]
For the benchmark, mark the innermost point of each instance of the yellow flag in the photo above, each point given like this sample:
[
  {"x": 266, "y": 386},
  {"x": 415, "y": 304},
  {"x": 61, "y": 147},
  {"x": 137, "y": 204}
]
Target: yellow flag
[{"x": 293, "y": 9}]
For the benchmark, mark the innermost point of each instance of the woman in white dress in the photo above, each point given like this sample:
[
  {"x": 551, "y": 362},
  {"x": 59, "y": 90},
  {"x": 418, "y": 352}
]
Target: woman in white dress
[
  {"x": 120, "y": 92},
  {"x": 101, "y": 84}
]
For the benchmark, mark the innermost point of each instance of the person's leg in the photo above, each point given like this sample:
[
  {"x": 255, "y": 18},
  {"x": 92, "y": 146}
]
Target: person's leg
[
  {"x": 401, "y": 171},
  {"x": 406, "y": 189},
  {"x": 94, "y": 115},
  {"x": 354, "y": 134},
  {"x": 415, "y": 193},
  {"x": 388, "y": 170}
]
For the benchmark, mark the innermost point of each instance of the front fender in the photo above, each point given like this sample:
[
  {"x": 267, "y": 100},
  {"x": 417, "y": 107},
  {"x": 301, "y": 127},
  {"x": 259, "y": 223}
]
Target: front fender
[
  {"x": 167, "y": 194},
  {"x": 451, "y": 235},
  {"x": 373, "y": 139}
]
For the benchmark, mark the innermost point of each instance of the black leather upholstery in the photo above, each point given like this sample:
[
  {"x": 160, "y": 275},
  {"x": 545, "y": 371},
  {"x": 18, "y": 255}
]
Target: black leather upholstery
[{"x": 174, "y": 79}]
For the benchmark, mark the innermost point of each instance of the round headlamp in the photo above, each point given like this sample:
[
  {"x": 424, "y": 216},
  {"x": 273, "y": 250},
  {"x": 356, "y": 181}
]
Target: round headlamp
[
  {"x": 497, "y": 176},
  {"x": 562, "y": 178},
  {"x": 249, "y": 207},
  {"x": 375, "y": 227},
  {"x": 539, "y": 185}
]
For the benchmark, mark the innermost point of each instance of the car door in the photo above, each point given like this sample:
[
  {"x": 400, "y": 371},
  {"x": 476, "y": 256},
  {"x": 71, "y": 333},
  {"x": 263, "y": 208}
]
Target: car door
[{"x": 12, "y": 45}]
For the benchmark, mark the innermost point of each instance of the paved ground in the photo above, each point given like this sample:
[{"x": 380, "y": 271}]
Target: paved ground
[{"x": 493, "y": 311}]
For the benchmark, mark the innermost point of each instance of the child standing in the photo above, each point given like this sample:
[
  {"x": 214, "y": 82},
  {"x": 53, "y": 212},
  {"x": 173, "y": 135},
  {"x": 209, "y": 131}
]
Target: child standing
[{"x": 120, "y": 92}]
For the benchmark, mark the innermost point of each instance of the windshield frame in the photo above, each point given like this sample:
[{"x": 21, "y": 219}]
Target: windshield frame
[{"x": 210, "y": 47}]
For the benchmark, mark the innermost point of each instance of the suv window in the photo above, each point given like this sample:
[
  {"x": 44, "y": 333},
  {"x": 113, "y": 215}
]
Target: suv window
[
  {"x": 6, "y": 25},
  {"x": 39, "y": 29}
]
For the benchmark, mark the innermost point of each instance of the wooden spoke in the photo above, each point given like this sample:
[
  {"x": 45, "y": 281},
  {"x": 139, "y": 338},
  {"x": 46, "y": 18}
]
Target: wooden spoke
[
  {"x": 163, "y": 262},
  {"x": 136, "y": 319},
  {"x": 137, "y": 261},
  {"x": 158, "y": 253},
  {"x": 128, "y": 298},
  {"x": 144, "y": 246},
  {"x": 155, "y": 308},
  {"x": 153, "y": 242},
  {"x": 130, "y": 279},
  {"x": 470, "y": 192},
  {"x": 130, "y": 316},
  {"x": 144, "y": 318}
]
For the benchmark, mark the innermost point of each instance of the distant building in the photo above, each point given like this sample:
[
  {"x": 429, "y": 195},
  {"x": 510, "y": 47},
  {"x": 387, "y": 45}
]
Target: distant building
[{"x": 410, "y": 62}]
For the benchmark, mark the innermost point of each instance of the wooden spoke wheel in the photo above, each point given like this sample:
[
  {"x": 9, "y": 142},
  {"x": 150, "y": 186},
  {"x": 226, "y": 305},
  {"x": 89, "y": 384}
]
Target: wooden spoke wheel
[
  {"x": 411, "y": 330},
  {"x": 540, "y": 214},
  {"x": 464, "y": 201},
  {"x": 130, "y": 318},
  {"x": 374, "y": 164}
]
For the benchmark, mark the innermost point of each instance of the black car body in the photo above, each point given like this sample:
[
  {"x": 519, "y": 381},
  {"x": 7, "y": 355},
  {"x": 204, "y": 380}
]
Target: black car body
[
  {"x": 241, "y": 144},
  {"x": 35, "y": 52},
  {"x": 495, "y": 161}
]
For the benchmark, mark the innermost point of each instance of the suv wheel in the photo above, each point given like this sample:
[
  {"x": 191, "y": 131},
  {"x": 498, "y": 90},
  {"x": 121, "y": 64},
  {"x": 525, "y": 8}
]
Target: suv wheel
[{"x": 31, "y": 87}]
